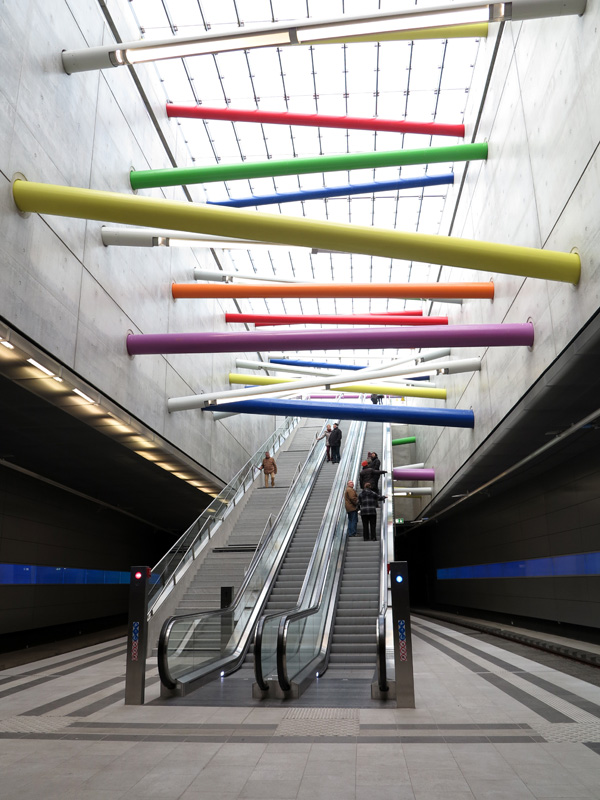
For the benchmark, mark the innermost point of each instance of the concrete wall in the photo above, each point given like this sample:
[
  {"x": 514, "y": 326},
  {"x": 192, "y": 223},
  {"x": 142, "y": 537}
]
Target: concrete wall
[
  {"x": 58, "y": 284},
  {"x": 538, "y": 188},
  {"x": 553, "y": 514},
  {"x": 41, "y": 524}
]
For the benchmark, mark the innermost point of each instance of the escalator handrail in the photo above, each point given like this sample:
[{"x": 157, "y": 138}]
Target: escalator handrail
[
  {"x": 335, "y": 520},
  {"x": 267, "y": 617},
  {"x": 387, "y": 513},
  {"x": 167, "y": 679}
]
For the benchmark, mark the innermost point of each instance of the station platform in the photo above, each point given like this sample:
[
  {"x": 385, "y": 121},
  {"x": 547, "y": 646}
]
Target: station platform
[{"x": 495, "y": 719}]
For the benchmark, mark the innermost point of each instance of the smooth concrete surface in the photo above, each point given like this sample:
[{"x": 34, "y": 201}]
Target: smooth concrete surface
[
  {"x": 492, "y": 722},
  {"x": 59, "y": 285},
  {"x": 538, "y": 188}
]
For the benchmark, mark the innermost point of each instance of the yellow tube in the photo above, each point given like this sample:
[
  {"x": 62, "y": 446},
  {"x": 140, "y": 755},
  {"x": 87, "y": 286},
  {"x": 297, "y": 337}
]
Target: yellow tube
[
  {"x": 474, "y": 30},
  {"x": 295, "y": 231},
  {"x": 362, "y": 388}
]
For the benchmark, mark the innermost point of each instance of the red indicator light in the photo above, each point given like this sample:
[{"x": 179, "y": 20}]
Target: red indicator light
[{"x": 138, "y": 575}]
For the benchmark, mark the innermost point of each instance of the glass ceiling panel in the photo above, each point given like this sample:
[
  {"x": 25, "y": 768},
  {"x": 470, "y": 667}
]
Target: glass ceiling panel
[{"x": 421, "y": 81}]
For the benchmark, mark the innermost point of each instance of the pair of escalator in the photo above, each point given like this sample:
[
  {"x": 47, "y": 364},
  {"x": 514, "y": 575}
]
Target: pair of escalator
[{"x": 290, "y": 647}]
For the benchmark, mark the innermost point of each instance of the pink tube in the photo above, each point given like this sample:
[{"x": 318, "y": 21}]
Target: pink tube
[{"x": 400, "y": 474}]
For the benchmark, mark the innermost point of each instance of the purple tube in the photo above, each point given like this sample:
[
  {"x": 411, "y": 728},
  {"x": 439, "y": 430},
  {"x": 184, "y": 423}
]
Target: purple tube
[
  {"x": 452, "y": 418},
  {"x": 413, "y": 474},
  {"x": 358, "y": 339}
]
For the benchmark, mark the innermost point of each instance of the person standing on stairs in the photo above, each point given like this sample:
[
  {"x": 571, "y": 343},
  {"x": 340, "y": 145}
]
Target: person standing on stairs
[
  {"x": 335, "y": 441},
  {"x": 269, "y": 467},
  {"x": 368, "y": 502},
  {"x": 351, "y": 503},
  {"x": 325, "y": 435}
]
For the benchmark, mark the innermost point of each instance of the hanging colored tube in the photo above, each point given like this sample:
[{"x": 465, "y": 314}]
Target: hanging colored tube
[
  {"x": 180, "y": 176},
  {"x": 481, "y": 291},
  {"x": 363, "y": 388},
  {"x": 452, "y": 418},
  {"x": 155, "y": 212},
  {"x": 358, "y": 338},
  {"x": 315, "y": 120},
  {"x": 404, "y": 440},
  {"x": 337, "y": 191},
  {"x": 403, "y": 474},
  {"x": 332, "y": 319},
  {"x": 322, "y": 364}
]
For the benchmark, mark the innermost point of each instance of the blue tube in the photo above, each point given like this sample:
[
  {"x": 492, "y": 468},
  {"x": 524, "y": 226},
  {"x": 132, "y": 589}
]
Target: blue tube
[
  {"x": 447, "y": 418},
  {"x": 324, "y": 364},
  {"x": 337, "y": 191}
]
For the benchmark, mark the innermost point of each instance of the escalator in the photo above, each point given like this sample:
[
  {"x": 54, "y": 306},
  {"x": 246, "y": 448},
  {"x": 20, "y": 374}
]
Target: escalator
[
  {"x": 195, "y": 648},
  {"x": 339, "y": 623}
]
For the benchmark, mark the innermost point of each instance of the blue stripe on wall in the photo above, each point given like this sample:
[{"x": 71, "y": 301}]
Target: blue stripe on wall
[
  {"x": 576, "y": 564},
  {"x": 32, "y": 575}
]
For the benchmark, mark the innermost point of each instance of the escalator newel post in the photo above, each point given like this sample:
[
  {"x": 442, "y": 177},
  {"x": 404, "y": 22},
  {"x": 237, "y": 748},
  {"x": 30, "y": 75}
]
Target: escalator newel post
[
  {"x": 137, "y": 636},
  {"x": 404, "y": 676}
]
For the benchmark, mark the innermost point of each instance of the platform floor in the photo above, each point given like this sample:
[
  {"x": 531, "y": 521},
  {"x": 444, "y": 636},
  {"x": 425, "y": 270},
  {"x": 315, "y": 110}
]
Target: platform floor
[{"x": 494, "y": 720}]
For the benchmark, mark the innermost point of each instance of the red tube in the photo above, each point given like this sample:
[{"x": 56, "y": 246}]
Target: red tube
[
  {"x": 413, "y": 313},
  {"x": 316, "y": 120},
  {"x": 262, "y": 320}
]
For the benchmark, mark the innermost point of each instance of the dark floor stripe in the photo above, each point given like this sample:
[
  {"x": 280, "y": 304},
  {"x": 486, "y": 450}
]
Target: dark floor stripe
[
  {"x": 237, "y": 739},
  {"x": 70, "y": 698},
  {"x": 113, "y": 649},
  {"x": 103, "y": 702},
  {"x": 564, "y": 694},
  {"x": 595, "y": 746},
  {"x": 543, "y": 709},
  {"x": 23, "y": 687}
]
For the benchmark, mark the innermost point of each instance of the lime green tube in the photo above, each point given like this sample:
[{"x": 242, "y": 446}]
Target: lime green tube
[
  {"x": 180, "y": 176},
  {"x": 406, "y": 440},
  {"x": 126, "y": 209}
]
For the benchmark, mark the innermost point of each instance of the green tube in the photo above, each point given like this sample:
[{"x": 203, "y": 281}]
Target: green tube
[
  {"x": 406, "y": 440},
  {"x": 181, "y": 176}
]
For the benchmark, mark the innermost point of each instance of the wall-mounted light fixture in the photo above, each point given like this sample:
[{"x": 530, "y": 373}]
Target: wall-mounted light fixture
[{"x": 441, "y": 21}]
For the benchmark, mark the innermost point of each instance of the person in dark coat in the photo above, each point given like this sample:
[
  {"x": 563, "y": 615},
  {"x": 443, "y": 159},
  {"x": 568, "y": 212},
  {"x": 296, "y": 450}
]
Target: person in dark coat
[
  {"x": 335, "y": 440},
  {"x": 368, "y": 502},
  {"x": 369, "y": 475},
  {"x": 374, "y": 462}
]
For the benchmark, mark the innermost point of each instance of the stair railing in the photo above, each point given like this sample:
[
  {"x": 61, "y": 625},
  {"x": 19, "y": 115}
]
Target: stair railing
[{"x": 175, "y": 563}]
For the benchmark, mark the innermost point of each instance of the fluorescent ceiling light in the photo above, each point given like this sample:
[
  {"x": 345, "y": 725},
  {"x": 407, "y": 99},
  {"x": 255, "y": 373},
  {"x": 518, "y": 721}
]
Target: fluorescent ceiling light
[
  {"x": 39, "y": 366},
  {"x": 8, "y": 345},
  {"x": 82, "y": 395}
]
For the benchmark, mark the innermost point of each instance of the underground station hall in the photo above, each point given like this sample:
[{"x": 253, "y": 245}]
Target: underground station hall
[{"x": 300, "y": 400}]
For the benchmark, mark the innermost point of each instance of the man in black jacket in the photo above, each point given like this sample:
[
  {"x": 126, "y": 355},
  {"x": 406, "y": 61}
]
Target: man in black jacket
[
  {"x": 369, "y": 475},
  {"x": 335, "y": 440},
  {"x": 368, "y": 502}
]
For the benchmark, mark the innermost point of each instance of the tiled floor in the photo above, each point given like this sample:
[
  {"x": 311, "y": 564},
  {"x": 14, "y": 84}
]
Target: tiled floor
[{"x": 492, "y": 722}]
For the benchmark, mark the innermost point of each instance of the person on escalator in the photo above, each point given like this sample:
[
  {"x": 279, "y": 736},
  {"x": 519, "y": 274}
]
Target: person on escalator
[
  {"x": 335, "y": 441},
  {"x": 351, "y": 503},
  {"x": 370, "y": 475},
  {"x": 269, "y": 467},
  {"x": 325, "y": 435},
  {"x": 368, "y": 502}
]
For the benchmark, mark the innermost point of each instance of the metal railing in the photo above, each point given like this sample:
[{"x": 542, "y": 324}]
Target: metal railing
[
  {"x": 293, "y": 646},
  {"x": 387, "y": 544},
  {"x": 182, "y": 554},
  {"x": 194, "y": 648}
]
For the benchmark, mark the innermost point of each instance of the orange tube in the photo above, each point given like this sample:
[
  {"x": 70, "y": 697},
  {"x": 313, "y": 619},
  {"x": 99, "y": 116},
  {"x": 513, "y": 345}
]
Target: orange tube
[{"x": 483, "y": 291}]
